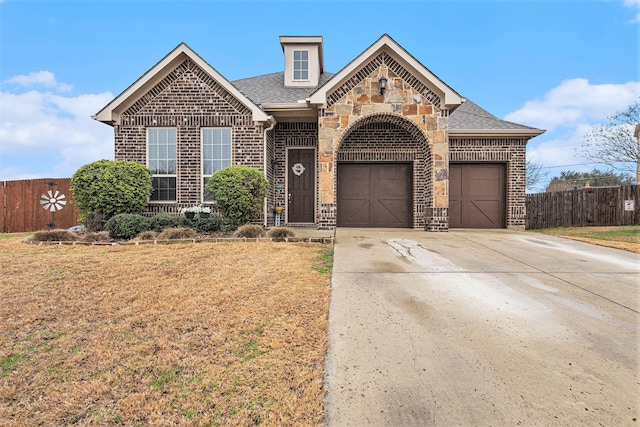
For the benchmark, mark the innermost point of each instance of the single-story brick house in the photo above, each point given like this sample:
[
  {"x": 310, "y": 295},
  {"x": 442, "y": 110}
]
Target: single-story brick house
[{"x": 381, "y": 143}]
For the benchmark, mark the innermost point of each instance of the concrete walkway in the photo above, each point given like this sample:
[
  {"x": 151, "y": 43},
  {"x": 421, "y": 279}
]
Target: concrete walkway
[{"x": 480, "y": 328}]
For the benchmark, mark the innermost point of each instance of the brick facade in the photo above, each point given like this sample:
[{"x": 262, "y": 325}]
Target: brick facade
[{"x": 188, "y": 99}]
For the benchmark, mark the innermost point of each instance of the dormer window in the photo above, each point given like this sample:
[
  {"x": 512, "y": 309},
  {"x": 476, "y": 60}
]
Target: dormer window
[{"x": 300, "y": 65}]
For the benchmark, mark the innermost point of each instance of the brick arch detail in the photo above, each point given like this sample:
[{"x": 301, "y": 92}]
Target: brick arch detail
[
  {"x": 389, "y": 137},
  {"x": 389, "y": 118}
]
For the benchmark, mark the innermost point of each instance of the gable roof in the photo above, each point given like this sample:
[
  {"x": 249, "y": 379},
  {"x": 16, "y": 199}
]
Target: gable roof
[
  {"x": 110, "y": 114},
  {"x": 469, "y": 119},
  {"x": 270, "y": 89},
  {"x": 450, "y": 98}
]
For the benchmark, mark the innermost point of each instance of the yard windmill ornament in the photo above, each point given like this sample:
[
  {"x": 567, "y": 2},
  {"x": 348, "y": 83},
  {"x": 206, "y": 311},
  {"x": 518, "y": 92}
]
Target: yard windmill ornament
[{"x": 52, "y": 201}]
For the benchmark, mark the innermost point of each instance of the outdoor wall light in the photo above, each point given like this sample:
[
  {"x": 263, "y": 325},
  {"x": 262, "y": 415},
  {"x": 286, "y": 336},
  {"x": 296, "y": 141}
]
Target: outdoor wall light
[{"x": 383, "y": 85}]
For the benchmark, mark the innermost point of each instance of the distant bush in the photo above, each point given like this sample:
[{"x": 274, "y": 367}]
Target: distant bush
[
  {"x": 55, "y": 235},
  {"x": 109, "y": 188},
  {"x": 95, "y": 222},
  {"x": 100, "y": 236},
  {"x": 206, "y": 225},
  {"x": 147, "y": 235},
  {"x": 126, "y": 226},
  {"x": 281, "y": 233},
  {"x": 177, "y": 233},
  {"x": 163, "y": 221},
  {"x": 251, "y": 231},
  {"x": 239, "y": 192}
]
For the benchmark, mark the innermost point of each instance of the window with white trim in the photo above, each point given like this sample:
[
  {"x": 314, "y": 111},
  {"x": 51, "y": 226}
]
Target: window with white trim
[
  {"x": 162, "y": 160},
  {"x": 300, "y": 65},
  {"x": 216, "y": 155}
]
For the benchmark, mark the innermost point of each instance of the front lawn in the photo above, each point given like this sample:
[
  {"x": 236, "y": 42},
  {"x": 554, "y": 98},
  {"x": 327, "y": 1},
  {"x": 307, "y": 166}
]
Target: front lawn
[
  {"x": 625, "y": 237},
  {"x": 198, "y": 334}
]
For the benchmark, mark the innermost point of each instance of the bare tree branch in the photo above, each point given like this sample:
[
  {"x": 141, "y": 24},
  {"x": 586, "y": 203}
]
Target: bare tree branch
[{"x": 614, "y": 144}]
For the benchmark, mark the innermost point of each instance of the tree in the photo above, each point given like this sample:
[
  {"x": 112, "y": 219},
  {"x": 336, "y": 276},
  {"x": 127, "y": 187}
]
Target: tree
[
  {"x": 239, "y": 192},
  {"x": 614, "y": 144},
  {"x": 568, "y": 180},
  {"x": 535, "y": 174},
  {"x": 106, "y": 188}
]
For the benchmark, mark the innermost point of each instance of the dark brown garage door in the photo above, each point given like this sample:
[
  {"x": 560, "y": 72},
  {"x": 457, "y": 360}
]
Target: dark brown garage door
[
  {"x": 477, "y": 195},
  {"x": 374, "y": 195}
]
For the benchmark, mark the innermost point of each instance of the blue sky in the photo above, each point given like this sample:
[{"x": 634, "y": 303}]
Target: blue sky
[{"x": 558, "y": 65}]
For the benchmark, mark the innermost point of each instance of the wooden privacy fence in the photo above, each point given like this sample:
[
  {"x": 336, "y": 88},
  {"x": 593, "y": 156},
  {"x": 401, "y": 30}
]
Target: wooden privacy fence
[
  {"x": 597, "y": 206},
  {"x": 36, "y": 204}
]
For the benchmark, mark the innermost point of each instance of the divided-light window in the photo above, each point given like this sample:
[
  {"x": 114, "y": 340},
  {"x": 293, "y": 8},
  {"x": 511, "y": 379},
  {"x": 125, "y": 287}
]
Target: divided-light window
[
  {"x": 300, "y": 65},
  {"x": 216, "y": 155},
  {"x": 162, "y": 160}
]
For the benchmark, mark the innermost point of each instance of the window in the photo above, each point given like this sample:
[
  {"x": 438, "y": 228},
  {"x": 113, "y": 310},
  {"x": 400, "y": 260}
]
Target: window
[
  {"x": 300, "y": 65},
  {"x": 216, "y": 155},
  {"x": 162, "y": 160}
]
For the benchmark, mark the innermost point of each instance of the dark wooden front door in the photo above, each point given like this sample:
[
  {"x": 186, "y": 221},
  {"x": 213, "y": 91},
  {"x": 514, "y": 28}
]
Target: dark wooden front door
[
  {"x": 301, "y": 185},
  {"x": 374, "y": 195},
  {"x": 477, "y": 195}
]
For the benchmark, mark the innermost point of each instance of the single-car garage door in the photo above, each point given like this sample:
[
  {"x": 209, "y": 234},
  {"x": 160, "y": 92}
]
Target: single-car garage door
[
  {"x": 477, "y": 195},
  {"x": 374, "y": 195}
]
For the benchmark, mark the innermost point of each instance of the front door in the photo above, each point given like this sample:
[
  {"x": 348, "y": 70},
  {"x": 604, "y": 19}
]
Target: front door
[{"x": 301, "y": 182}]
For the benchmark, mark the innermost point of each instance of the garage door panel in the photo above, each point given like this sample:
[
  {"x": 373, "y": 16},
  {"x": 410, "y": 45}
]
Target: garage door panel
[
  {"x": 386, "y": 189},
  {"x": 355, "y": 212},
  {"x": 477, "y": 196},
  {"x": 392, "y": 213}
]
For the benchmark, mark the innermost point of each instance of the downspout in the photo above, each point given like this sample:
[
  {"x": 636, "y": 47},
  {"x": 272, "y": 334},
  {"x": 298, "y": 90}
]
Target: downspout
[{"x": 264, "y": 166}]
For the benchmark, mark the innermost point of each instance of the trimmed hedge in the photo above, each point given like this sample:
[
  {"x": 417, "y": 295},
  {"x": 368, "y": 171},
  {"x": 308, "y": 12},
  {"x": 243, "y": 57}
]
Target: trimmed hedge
[{"x": 127, "y": 226}]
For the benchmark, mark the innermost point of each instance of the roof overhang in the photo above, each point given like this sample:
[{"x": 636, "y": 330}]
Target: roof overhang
[
  {"x": 483, "y": 133},
  {"x": 283, "y": 111},
  {"x": 450, "y": 97},
  {"x": 111, "y": 113}
]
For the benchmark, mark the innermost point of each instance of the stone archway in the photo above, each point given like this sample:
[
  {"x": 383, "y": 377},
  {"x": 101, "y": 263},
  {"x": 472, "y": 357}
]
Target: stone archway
[{"x": 377, "y": 152}]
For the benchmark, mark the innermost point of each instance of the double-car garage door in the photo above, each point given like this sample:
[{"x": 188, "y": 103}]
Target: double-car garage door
[{"x": 380, "y": 195}]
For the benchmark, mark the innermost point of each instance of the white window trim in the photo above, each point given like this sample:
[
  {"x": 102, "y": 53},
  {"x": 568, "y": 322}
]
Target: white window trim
[
  {"x": 163, "y": 175},
  {"x": 308, "y": 61},
  {"x": 202, "y": 174}
]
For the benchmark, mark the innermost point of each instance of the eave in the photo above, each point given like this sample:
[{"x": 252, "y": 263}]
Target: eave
[{"x": 496, "y": 132}]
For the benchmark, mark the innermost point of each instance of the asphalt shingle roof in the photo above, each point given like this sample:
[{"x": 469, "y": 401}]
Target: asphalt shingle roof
[
  {"x": 470, "y": 116},
  {"x": 270, "y": 89}
]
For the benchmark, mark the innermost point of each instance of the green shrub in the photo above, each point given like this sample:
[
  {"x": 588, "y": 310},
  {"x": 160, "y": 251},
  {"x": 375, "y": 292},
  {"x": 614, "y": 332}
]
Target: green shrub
[
  {"x": 239, "y": 192},
  {"x": 177, "y": 233},
  {"x": 55, "y": 235},
  {"x": 281, "y": 233},
  {"x": 250, "y": 231},
  {"x": 100, "y": 236},
  {"x": 163, "y": 221},
  {"x": 127, "y": 226},
  {"x": 110, "y": 187},
  {"x": 206, "y": 225},
  {"x": 147, "y": 235}
]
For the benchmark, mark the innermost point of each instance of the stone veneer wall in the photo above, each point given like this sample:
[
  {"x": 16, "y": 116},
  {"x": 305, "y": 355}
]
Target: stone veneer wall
[
  {"x": 188, "y": 99},
  {"x": 405, "y": 101},
  {"x": 290, "y": 135},
  {"x": 511, "y": 151}
]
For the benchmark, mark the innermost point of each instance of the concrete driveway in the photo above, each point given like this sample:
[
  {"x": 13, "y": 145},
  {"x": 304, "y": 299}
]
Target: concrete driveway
[{"x": 476, "y": 327}]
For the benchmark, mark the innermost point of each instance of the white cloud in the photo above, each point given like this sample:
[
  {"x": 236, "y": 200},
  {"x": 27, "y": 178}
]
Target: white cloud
[
  {"x": 576, "y": 101},
  {"x": 634, "y": 4},
  {"x": 44, "y": 79},
  {"x": 44, "y": 134}
]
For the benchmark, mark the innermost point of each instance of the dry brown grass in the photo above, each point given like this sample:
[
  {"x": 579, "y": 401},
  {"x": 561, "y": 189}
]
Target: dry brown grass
[{"x": 189, "y": 334}]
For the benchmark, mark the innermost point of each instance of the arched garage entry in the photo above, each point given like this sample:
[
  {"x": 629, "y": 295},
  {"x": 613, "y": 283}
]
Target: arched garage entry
[{"x": 384, "y": 173}]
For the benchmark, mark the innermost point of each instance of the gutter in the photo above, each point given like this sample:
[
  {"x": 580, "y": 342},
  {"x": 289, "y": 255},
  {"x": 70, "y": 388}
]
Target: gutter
[{"x": 264, "y": 161}]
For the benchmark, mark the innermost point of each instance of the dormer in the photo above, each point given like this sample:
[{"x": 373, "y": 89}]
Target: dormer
[{"x": 303, "y": 61}]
